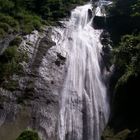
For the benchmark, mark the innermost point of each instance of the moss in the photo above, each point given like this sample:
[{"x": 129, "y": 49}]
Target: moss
[
  {"x": 4, "y": 26},
  {"x": 10, "y": 21},
  {"x": 31, "y": 25},
  {"x": 124, "y": 134},
  {"x": 109, "y": 134},
  {"x": 28, "y": 22},
  {"x": 10, "y": 63},
  {"x": 124, "y": 78},
  {"x": 28, "y": 135},
  {"x": 10, "y": 85},
  {"x": 2, "y": 33},
  {"x": 16, "y": 41}
]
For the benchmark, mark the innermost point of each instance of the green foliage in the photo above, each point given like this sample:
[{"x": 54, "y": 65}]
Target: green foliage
[
  {"x": 108, "y": 134},
  {"x": 125, "y": 31},
  {"x": 22, "y": 17},
  {"x": 7, "y": 62},
  {"x": 8, "y": 24},
  {"x": 5, "y": 27},
  {"x": 127, "y": 59},
  {"x": 128, "y": 53},
  {"x": 30, "y": 23},
  {"x": 124, "y": 18},
  {"x": 10, "y": 64},
  {"x": 135, "y": 8},
  {"x": 9, "y": 20},
  {"x": 2, "y": 33},
  {"x": 28, "y": 135},
  {"x": 124, "y": 8},
  {"x": 27, "y": 15},
  {"x": 6, "y": 5},
  {"x": 16, "y": 41}
]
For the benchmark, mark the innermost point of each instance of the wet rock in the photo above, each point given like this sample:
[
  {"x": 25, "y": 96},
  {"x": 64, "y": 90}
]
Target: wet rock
[
  {"x": 61, "y": 57},
  {"x": 60, "y": 60},
  {"x": 46, "y": 42},
  {"x": 58, "y": 63},
  {"x": 106, "y": 50},
  {"x": 36, "y": 90},
  {"x": 52, "y": 82},
  {"x": 99, "y": 22},
  {"x": 44, "y": 45},
  {"x": 89, "y": 13},
  {"x": 70, "y": 38},
  {"x": 105, "y": 34},
  {"x": 60, "y": 24},
  {"x": 105, "y": 38}
]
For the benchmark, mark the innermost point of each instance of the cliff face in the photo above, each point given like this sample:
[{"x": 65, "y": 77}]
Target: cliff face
[{"x": 34, "y": 102}]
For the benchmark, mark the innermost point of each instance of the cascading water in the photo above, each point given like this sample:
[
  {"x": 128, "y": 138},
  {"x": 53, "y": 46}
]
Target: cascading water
[{"x": 84, "y": 108}]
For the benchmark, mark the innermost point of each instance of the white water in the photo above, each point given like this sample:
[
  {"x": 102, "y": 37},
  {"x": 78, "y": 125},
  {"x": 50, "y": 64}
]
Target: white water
[{"x": 84, "y": 108}]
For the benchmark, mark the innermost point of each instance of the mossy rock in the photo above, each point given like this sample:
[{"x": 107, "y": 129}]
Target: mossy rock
[
  {"x": 16, "y": 41},
  {"x": 10, "y": 63},
  {"x": 28, "y": 135},
  {"x": 10, "y": 85},
  {"x": 109, "y": 134},
  {"x": 123, "y": 134}
]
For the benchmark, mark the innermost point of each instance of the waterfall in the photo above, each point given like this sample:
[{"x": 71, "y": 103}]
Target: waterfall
[{"x": 84, "y": 107}]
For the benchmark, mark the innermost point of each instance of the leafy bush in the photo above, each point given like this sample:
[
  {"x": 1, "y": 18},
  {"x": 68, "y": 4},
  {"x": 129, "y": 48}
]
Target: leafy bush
[
  {"x": 28, "y": 135},
  {"x": 128, "y": 52},
  {"x": 6, "y": 5},
  {"x": 10, "y": 63},
  {"x": 29, "y": 22},
  {"x": 2, "y": 33},
  {"x": 136, "y": 8},
  {"x": 27, "y": 15},
  {"x": 9, "y": 22},
  {"x": 5, "y": 27},
  {"x": 126, "y": 100}
]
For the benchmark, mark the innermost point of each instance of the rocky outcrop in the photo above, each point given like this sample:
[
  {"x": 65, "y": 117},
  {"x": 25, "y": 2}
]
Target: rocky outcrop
[
  {"x": 90, "y": 13},
  {"x": 99, "y": 22},
  {"x": 106, "y": 51},
  {"x": 37, "y": 96}
]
